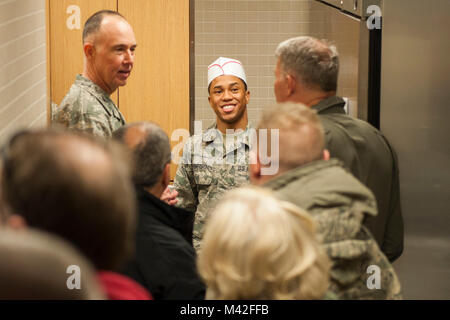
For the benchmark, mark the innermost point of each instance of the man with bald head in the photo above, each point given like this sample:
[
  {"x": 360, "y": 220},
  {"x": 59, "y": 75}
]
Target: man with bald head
[
  {"x": 165, "y": 260},
  {"x": 109, "y": 45},
  {"x": 307, "y": 72},
  {"x": 337, "y": 201}
]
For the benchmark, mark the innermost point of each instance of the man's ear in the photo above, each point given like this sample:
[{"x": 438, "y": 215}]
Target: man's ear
[
  {"x": 254, "y": 168},
  {"x": 166, "y": 176},
  {"x": 291, "y": 84},
  {"x": 89, "y": 50},
  {"x": 326, "y": 155},
  {"x": 16, "y": 222}
]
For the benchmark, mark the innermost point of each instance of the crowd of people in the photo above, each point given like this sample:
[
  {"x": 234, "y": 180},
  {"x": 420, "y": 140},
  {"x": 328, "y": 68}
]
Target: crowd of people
[{"x": 301, "y": 206}]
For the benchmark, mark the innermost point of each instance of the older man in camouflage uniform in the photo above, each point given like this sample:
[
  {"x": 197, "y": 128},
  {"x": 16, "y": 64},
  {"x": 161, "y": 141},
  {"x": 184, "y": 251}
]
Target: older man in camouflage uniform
[
  {"x": 109, "y": 45},
  {"x": 217, "y": 160},
  {"x": 336, "y": 200}
]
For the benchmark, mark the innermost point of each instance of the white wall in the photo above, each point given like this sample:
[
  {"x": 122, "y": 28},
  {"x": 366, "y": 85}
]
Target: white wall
[{"x": 23, "y": 80}]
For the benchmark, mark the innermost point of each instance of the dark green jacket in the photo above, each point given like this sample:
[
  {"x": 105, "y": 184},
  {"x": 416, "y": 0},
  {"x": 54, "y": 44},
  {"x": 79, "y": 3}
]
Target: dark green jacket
[
  {"x": 370, "y": 157},
  {"x": 338, "y": 203}
]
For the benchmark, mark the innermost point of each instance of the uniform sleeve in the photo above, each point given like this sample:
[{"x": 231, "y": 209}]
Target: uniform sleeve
[
  {"x": 393, "y": 237},
  {"x": 184, "y": 183}
]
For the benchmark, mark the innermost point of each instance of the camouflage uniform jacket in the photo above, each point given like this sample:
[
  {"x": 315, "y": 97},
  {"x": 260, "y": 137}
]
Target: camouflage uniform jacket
[
  {"x": 338, "y": 203},
  {"x": 88, "y": 108},
  {"x": 207, "y": 171}
]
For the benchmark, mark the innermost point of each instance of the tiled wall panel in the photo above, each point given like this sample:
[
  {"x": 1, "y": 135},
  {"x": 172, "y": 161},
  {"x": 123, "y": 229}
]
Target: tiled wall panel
[
  {"x": 23, "y": 81},
  {"x": 250, "y": 30},
  {"x": 247, "y": 30}
]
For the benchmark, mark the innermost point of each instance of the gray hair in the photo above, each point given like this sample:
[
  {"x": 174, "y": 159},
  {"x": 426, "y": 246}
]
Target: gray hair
[
  {"x": 150, "y": 155},
  {"x": 315, "y": 62},
  {"x": 301, "y": 135}
]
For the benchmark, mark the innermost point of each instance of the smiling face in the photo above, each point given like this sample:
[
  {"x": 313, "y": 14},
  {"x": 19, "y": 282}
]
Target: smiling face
[
  {"x": 228, "y": 98},
  {"x": 112, "y": 57}
]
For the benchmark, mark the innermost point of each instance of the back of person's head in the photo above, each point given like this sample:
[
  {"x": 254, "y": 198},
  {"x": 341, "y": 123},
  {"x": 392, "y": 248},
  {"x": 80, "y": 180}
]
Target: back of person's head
[
  {"x": 151, "y": 150},
  {"x": 35, "y": 265},
  {"x": 257, "y": 247},
  {"x": 93, "y": 23},
  {"x": 315, "y": 62},
  {"x": 73, "y": 185},
  {"x": 300, "y": 134}
]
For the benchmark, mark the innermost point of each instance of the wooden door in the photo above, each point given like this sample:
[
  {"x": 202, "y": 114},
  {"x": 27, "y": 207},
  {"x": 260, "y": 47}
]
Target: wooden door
[
  {"x": 158, "y": 88},
  {"x": 66, "y": 19}
]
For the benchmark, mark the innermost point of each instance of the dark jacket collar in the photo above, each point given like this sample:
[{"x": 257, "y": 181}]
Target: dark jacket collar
[
  {"x": 332, "y": 104},
  {"x": 176, "y": 218}
]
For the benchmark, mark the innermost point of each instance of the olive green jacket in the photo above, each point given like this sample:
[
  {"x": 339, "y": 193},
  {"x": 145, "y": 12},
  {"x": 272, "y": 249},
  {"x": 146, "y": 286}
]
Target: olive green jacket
[
  {"x": 370, "y": 157},
  {"x": 338, "y": 203}
]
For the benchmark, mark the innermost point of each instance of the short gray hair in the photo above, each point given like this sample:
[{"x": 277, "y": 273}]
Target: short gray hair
[
  {"x": 315, "y": 62},
  {"x": 150, "y": 155}
]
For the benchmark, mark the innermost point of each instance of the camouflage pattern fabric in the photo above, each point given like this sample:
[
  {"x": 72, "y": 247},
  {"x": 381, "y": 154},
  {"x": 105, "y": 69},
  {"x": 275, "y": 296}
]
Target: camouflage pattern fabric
[
  {"x": 88, "y": 108},
  {"x": 212, "y": 163},
  {"x": 338, "y": 203}
]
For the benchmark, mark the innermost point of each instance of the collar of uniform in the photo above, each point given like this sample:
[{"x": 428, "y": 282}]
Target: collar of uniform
[
  {"x": 98, "y": 93},
  {"x": 300, "y": 172},
  {"x": 90, "y": 86},
  {"x": 212, "y": 132},
  {"x": 329, "y": 105}
]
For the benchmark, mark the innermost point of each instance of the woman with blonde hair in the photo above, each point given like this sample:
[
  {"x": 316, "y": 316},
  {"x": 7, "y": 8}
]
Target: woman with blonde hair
[{"x": 258, "y": 247}]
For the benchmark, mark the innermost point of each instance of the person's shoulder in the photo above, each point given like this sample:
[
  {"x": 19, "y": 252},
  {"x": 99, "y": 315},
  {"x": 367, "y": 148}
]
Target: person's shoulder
[
  {"x": 72, "y": 98},
  {"x": 80, "y": 100},
  {"x": 336, "y": 170},
  {"x": 331, "y": 177},
  {"x": 164, "y": 239}
]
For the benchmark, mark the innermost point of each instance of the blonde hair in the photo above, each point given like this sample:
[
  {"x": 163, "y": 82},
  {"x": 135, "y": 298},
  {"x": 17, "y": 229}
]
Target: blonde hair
[
  {"x": 257, "y": 247},
  {"x": 301, "y": 135}
]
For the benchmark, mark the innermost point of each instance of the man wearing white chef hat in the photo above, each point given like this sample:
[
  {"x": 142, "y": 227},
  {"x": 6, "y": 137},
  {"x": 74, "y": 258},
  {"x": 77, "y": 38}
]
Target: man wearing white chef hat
[
  {"x": 216, "y": 160},
  {"x": 228, "y": 94}
]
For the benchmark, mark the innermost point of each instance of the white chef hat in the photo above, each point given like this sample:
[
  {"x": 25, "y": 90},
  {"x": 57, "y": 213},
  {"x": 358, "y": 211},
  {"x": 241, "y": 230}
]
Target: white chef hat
[{"x": 226, "y": 66}]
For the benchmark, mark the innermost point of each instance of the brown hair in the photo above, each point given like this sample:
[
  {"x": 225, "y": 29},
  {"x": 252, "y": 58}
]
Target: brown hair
[{"x": 76, "y": 186}]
